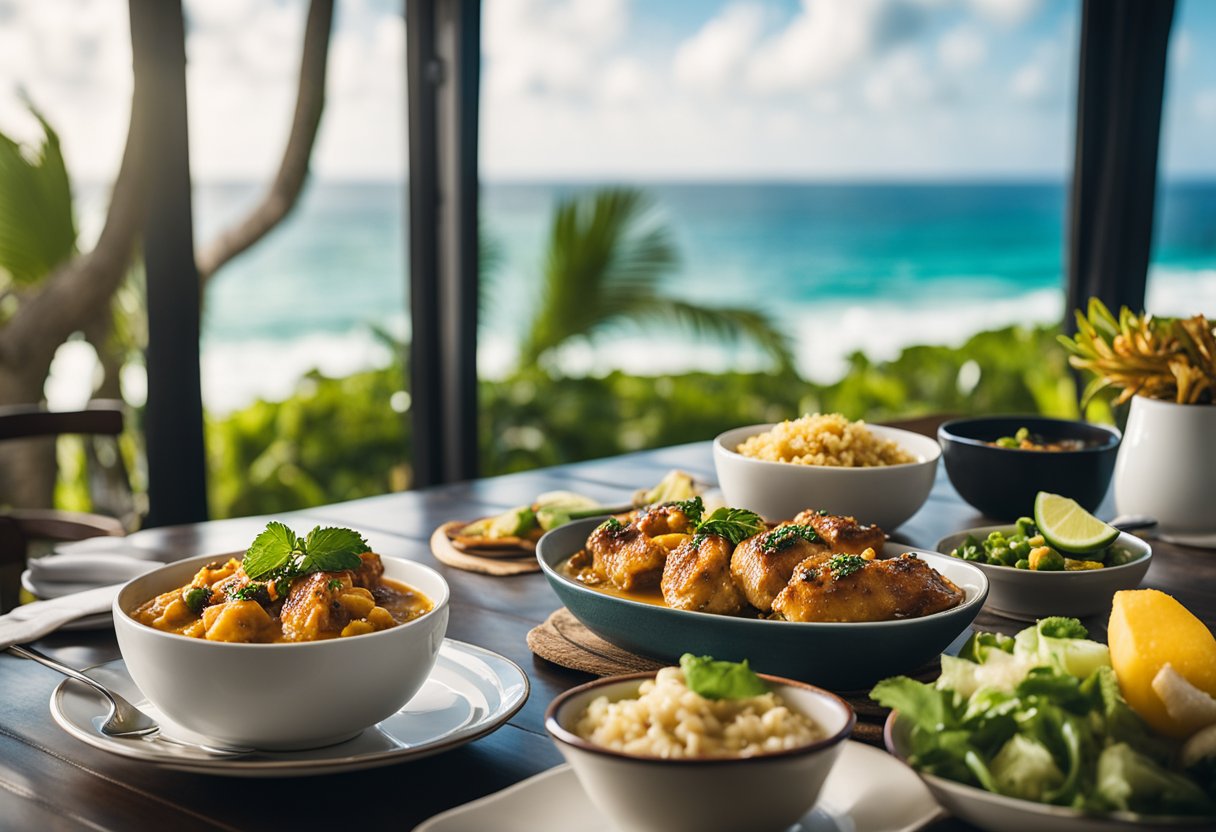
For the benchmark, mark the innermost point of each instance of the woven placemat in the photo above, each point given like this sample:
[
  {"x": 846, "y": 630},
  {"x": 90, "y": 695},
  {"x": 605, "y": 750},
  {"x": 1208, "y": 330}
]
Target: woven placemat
[
  {"x": 447, "y": 553},
  {"x": 563, "y": 640}
]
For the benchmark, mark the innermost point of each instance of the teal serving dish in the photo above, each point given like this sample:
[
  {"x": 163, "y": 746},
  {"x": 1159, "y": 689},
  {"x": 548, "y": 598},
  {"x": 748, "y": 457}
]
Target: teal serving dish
[{"x": 837, "y": 655}]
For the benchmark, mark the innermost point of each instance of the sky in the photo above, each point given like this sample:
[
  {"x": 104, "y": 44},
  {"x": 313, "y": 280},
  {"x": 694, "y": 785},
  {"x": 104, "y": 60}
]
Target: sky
[{"x": 614, "y": 89}]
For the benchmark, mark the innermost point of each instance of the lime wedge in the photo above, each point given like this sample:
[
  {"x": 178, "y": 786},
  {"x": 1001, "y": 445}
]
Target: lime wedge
[{"x": 1069, "y": 528}]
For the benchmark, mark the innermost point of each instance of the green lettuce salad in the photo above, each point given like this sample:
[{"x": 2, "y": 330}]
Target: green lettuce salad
[{"x": 1039, "y": 716}]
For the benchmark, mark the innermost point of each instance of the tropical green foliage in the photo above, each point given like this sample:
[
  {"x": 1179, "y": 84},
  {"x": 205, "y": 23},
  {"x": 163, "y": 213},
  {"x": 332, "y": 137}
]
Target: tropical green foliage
[
  {"x": 607, "y": 257},
  {"x": 338, "y": 439},
  {"x": 37, "y": 228}
]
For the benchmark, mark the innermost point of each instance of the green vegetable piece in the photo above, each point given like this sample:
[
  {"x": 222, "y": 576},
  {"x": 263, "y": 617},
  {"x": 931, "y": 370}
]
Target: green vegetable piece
[
  {"x": 1007, "y": 442},
  {"x": 842, "y": 566},
  {"x": 675, "y": 485},
  {"x": 735, "y": 524},
  {"x": 1046, "y": 559},
  {"x": 515, "y": 522},
  {"x": 975, "y": 553},
  {"x": 334, "y": 585},
  {"x": 1022, "y": 434},
  {"x": 1003, "y": 556},
  {"x": 1025, "y": 768},
  {"x": 719, "y": 679},
  {"x": 1026, "y": 526},
  {"x": 1115, "y": 556},
  {"x": 1134, "y": 783},
  {"x": 996, "y": 537},
  {"x": 1020, "y": 546},
  {"x": 981, "y": 644},
  {"x": 196, "y": 598},
  {"x": 1022, "y": 563},
  {"x": 1058, "y": 626}
]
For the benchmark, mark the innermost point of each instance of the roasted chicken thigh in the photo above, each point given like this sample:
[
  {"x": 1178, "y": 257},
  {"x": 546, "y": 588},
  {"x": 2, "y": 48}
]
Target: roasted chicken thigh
[{"x": 865, "y": 590}]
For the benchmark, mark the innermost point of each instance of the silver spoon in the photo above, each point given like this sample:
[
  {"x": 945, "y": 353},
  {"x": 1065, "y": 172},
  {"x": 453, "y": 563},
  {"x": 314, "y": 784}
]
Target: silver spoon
[{"x": 124, "y": 720}]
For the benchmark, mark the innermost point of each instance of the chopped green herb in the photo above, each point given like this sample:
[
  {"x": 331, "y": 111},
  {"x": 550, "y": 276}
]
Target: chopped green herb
[
  {"x": 720, "y": 680},
  {"x": 735, "y": 524},
  {"x": 784, "y": 537},
  {"x": 280, "y": 553},
  {"x": 842, "y": 566},
  {"x": 196, "y": 598},
  {"x": 252, "y": 591},
  {"x": 334, "y": 585},
  {"x": 693, "y": 509},
  {"x": 611, "y": 526}
]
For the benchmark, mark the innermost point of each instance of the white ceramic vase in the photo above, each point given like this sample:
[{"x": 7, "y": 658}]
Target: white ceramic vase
[{"x": 1166, "y": 469}]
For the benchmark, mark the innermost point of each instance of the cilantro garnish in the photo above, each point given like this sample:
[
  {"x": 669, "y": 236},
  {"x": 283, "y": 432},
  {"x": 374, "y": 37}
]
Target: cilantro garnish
[
  {"x": 735, "y": 524},
  {"x": 334, "y": 585},
  {"x": 279, "y": 551},
  {"x": 784, "y": 537},
  {"x": 720, "y": 680},
  {"x": 842, "y": 566},
  {"x": 611, "y": 526},
  {"x": 693, "y": 509}
]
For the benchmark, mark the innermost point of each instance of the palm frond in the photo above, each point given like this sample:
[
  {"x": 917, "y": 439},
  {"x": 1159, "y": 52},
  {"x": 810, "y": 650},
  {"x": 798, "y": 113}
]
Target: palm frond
[
  {"x": 722, "y": 323},
  {"x": 37, "y": 228},
  {"x": 604, "y": 250}
]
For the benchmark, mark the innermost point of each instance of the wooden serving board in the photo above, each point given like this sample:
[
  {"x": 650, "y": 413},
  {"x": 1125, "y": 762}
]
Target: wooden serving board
[{"x": 500, "y": 562}]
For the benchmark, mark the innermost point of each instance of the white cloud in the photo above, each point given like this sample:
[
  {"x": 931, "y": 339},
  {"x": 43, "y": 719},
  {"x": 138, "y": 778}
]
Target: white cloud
[
  {"x": 827, "y": 38},
  {"x": 900, "y": 80},
  {"x": 1180, "y": 49},
  {"x": 1009, "y": 13},
  {"x": 548, "y": 46},
  {"x": 963, "y": 47},
  {"x": 1040, "y": 79},
  {"x": 1205, "y": 105},
  {"x": 715, "y": 54},
  {"x": 625, "y": 80}
]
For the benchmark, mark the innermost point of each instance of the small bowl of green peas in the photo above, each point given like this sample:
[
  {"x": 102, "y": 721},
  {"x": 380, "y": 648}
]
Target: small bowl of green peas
[{"x": 1029, "y": 579}]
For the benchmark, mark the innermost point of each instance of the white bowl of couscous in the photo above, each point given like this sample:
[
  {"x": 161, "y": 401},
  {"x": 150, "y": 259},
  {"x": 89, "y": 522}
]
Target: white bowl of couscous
[
  {"x": 879, "y": 475},
  {"x": 655, "y": 757}
]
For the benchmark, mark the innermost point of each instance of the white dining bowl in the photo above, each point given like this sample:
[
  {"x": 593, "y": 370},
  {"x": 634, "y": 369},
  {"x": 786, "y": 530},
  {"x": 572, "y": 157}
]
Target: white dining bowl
[
  {"x": 884, "y": 495},
  {"x": 763, "y": 792},
  {"x": 1028, "y": 595},
  {"x": 279, "y": 696}
]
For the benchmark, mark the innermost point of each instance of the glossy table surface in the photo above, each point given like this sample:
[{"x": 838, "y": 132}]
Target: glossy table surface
[{"x": 49, "y": 780}]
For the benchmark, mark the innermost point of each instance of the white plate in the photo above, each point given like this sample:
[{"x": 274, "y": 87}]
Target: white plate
[
  {"x": 867, "y": 791},
  {"x": 471, "y": 692}
]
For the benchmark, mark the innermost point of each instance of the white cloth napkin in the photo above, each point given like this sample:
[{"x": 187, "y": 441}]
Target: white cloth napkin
[
  {"x": 84, "y": 564},
  {"x": 31, "y": 622}
]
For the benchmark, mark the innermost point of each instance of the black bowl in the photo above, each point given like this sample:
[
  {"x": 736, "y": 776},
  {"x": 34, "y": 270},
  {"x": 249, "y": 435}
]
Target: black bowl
[{"x": 1002, "y": 482}]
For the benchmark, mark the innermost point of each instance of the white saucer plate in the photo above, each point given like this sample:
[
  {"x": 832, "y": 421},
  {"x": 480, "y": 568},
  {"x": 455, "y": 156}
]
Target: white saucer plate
[
  {"x": 471, "y": 692},
  {"x": 867, "y": 791}
]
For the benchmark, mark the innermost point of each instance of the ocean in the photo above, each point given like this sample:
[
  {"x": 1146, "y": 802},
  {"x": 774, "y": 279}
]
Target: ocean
[{"x": 841, "y": 267}]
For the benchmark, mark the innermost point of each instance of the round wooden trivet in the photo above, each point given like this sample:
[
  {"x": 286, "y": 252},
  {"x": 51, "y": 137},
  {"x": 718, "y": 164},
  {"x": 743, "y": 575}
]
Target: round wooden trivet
[
  {"x": 563, "y": 640},
  {"x": 446, "y": 553}
]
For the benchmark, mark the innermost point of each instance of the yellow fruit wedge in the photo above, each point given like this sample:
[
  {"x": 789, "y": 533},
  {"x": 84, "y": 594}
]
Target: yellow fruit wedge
[{"x": 1149, "y": 629}]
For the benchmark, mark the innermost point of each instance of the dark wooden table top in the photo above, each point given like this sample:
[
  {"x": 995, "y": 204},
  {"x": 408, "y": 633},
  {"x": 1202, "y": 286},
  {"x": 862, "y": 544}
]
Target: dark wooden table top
[{"x": 49, "y": 780}]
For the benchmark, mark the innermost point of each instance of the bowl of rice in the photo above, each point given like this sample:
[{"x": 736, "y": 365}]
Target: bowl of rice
[
  {"x": 653, "y": 754},
  {"x": 878, "y": 474}
]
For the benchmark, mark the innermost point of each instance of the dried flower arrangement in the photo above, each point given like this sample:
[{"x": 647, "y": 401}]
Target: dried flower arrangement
[{"x": 1173, "y": 359}]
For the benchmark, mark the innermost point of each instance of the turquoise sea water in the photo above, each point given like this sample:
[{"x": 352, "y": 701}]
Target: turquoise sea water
[{"x": 841, "y": 266}]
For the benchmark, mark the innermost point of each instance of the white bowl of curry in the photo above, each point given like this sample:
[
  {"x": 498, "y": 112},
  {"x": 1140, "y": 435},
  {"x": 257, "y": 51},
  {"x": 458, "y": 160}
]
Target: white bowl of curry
[{"x": 332, "y": 654}]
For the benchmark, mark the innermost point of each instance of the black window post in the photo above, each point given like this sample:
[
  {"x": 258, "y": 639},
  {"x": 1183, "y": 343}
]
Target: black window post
[
  {"x": 173, "y": 419},
  {"x": 1120, "y": 86},
  {"x": 443, "y": 65}
]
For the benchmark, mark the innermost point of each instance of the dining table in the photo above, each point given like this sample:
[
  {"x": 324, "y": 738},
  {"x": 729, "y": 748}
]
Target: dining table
[{"x": 50, "y": 780}]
